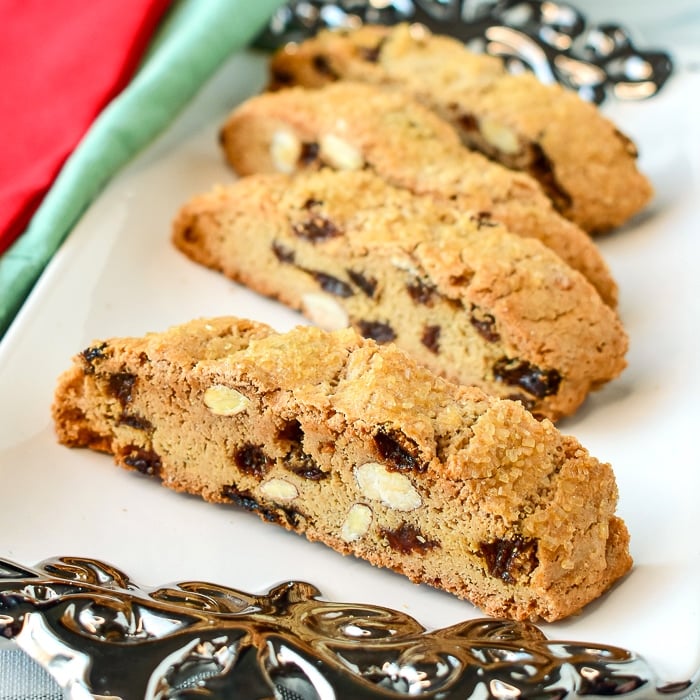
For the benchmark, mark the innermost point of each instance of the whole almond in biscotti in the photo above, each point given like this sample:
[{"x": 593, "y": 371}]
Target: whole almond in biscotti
[
  {"x": 348, "y": 126},
  {"x": 353, "y": 444},
  {"x": 581, "y": 159},
  {"x": 461, "y": 294}
]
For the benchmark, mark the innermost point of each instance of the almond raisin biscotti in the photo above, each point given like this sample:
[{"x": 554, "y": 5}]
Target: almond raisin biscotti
[
  {"x": 353, "y": 444},
  {"x": 584, "y": 163},
  {"x": 348, "y": 126},
  {"x": 465, "y": 297}
]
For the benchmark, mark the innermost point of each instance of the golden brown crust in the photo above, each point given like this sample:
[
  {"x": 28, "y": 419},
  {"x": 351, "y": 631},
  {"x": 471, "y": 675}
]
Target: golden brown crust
[
  {"x": 353, "y": 444},
  {"x": 353, "y": 126},
  {"x": 463, "y": 296},
  {"x": 584, "y": 163}
]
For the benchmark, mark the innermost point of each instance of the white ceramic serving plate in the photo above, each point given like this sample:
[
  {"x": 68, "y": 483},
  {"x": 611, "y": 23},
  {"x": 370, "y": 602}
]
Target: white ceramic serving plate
[{"x": 117, "y": 274}]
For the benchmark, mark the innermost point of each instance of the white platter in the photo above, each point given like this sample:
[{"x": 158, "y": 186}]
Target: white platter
[{"x": 118, "y": 274}]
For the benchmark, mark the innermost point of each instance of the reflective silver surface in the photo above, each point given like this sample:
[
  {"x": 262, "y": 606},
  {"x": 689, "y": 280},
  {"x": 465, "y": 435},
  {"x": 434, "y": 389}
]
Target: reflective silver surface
[
  {"x": 550, "y": 38},
  {"x": 99, "y": 634}
]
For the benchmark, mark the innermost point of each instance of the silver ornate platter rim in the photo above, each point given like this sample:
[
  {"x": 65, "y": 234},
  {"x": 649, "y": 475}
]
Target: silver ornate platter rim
[
  {"x": 552, "y": 39},
  {"x": 98, "y": 633}
]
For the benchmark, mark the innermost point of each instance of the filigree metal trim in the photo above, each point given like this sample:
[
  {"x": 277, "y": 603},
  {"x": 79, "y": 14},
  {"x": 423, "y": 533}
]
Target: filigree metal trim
[
  {"x": 98, "y": 633},
  {"x": 550, "y": 38}
]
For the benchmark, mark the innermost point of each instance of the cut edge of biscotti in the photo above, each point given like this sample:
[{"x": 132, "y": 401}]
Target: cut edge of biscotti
[
  {"x": 352, "y": 444},
  {"x": 464, "y": 297},
  {"x": 584, "y": 163},
  {"x": 353, "y": 126}
]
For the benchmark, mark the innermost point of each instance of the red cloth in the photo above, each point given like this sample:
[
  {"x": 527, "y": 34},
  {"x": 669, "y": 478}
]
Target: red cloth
[{"x": 61, "y": 62}]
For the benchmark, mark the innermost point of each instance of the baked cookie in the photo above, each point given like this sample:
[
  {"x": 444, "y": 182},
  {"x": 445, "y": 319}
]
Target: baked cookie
[
  {"x": 466, "y": 298},
  {"x": 583, "y": 162},
  {"x": 349, "y": 126},
  {"x": 353, "y": 444}
]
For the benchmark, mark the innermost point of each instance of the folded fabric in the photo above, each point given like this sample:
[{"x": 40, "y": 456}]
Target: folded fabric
[
  {"x": 61, "y": 62},
  {"x": 191, "y": 41}
]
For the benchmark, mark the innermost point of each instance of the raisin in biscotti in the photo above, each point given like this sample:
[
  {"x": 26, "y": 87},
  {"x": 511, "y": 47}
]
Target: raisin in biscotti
[
  {"x": 352, "y": 126},
  {"x": 466, "y": 298},
  {"x": 353, "y": 444},
  {"x": 585, "y": 164}
]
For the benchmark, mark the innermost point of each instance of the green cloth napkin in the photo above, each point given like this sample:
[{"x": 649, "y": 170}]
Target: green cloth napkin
[{"x": 193, "y": 40}]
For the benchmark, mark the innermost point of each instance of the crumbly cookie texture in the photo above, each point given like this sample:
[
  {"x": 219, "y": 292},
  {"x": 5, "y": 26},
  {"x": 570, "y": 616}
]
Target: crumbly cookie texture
[
  {"x": 584, "y": 163},
  {"x": 355, "y": 445},
  {"x": 349, "y": 126},
  {"x": 465, "y": 297}
]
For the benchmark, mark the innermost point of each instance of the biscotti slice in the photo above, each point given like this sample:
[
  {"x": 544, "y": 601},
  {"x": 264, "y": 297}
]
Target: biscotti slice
[
  {"x": 353, "y": 126},
  {"x": 584, "y": 163},
  {"x": 466, "y": 298},
  {"x": 353, "y": 444}
]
